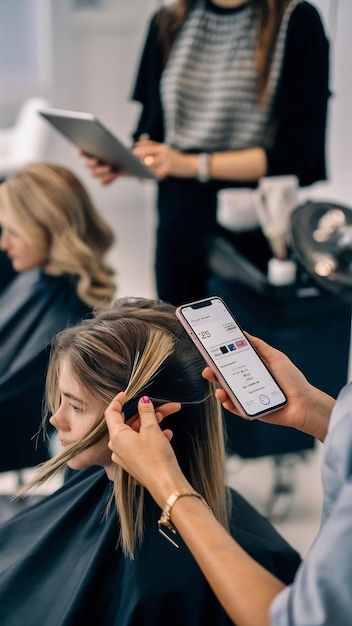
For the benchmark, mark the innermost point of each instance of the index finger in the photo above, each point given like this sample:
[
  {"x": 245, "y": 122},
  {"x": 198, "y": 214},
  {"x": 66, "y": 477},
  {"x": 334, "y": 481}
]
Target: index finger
[
  {"x": 208, "y": 374},
  {"x": 161, "y": 412},
  {"x": 220, "y": 393}
]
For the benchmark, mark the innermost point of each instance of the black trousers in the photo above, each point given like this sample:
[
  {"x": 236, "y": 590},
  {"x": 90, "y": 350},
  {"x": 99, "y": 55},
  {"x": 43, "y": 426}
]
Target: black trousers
[{"x": 186, "y": 222}]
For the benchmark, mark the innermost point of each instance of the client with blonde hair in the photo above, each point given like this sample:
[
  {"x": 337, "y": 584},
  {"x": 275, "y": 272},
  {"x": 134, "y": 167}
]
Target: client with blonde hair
[
  {"x": 92, "y": 562},
  {"x": 57, "y": 243}
]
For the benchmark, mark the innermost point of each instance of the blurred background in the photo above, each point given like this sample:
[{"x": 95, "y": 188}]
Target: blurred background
[{"x": 83, "y": 55}]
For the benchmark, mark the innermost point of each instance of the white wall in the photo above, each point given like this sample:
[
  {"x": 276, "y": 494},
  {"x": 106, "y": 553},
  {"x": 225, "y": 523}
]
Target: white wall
[
  {"x": 340, "y": 131},
  {"x": 96, "y": 68},
  {"x": 337, "y": 17}
]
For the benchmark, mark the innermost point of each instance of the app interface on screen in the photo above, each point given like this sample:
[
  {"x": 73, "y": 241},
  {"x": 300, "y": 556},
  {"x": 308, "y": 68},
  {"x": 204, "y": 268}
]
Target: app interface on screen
[{"x": 235, "y": 358}]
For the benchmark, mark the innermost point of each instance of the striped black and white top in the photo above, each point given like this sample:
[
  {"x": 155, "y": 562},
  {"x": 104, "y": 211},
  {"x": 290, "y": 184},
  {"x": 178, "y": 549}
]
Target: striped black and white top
[{"x": 209, "y": 86}]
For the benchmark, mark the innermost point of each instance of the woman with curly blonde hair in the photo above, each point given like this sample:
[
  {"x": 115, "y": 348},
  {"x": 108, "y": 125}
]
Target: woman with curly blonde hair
[
  {"x": 57, "y": 243},
  {"x": 49, "y": 208}
]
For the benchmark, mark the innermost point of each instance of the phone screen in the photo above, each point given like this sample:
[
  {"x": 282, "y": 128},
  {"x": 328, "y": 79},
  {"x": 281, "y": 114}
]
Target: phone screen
[{"x": 210, "y": 323}]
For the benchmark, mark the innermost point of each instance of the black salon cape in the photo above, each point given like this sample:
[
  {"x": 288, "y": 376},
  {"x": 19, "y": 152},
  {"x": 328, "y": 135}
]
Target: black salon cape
[
  {"x": 59, "y": 564},
  {"x": 7, "y": 273},
  {"x": 33, "y": 308}
]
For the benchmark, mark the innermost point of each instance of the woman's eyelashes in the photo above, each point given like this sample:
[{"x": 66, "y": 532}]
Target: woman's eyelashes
[{"x": 76, "y": 409}]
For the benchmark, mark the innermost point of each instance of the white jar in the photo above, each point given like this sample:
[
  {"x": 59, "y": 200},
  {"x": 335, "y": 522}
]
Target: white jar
[{"x": 281, "y": 271}]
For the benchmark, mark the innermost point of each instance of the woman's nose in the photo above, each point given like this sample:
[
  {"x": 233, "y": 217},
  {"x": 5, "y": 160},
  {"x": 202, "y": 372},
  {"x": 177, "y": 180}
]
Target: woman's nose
[{"x": 58, "y": 421}]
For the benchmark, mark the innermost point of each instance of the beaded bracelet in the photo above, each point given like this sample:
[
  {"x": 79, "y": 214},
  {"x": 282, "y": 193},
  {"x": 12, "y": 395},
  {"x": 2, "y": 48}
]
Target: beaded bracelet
[{"x": 166, "y": 512}]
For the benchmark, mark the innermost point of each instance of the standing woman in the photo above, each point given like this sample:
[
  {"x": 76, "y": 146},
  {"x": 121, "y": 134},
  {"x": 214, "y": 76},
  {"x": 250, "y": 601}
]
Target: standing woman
[
  {"x": 232, "y": 90},
  {"x": 57, "y": 243}
]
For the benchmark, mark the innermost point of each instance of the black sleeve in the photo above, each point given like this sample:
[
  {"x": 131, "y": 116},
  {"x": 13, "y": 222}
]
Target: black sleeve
[
  {"x": 301, "y": 105},
  {"x": 146, "y": 89}
]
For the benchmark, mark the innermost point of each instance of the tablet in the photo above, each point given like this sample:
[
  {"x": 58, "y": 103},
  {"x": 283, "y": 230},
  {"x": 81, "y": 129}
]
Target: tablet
[{"x": 86, "y": 132}]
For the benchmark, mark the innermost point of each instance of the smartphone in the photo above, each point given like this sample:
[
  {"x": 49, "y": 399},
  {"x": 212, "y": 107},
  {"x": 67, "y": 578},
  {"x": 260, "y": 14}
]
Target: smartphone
[{"x": 236, "y": 364}]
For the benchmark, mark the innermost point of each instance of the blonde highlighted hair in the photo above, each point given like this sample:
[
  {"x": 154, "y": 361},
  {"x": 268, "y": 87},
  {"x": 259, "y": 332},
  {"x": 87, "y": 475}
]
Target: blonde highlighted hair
[
  {"x": 139, "y": 346},
  {"x": 48, "y": 207}
]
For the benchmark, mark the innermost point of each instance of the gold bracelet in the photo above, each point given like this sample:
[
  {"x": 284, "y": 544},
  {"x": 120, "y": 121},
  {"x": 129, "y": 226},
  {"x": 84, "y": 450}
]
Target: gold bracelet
[{"x": 166, "y": 512}]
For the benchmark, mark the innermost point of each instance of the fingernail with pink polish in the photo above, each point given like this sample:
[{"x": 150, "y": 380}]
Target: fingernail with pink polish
[{"x": 145, "y": 399}]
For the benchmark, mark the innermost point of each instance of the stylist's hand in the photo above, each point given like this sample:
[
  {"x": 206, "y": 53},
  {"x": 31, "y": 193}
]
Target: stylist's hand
[
  {"x": 308, "y": 409},
  {"x": 165, "y": 161},
  {"x": 99, "y": 169},
  {"x": 146, "y": 454}
]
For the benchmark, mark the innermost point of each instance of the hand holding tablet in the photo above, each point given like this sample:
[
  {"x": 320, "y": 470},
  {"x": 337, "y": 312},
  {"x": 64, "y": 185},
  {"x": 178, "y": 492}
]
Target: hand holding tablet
[{"x": 86, "y": 132}]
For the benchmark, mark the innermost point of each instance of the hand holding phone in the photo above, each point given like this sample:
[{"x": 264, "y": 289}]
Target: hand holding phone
[{"x": 234, "y": 361}]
